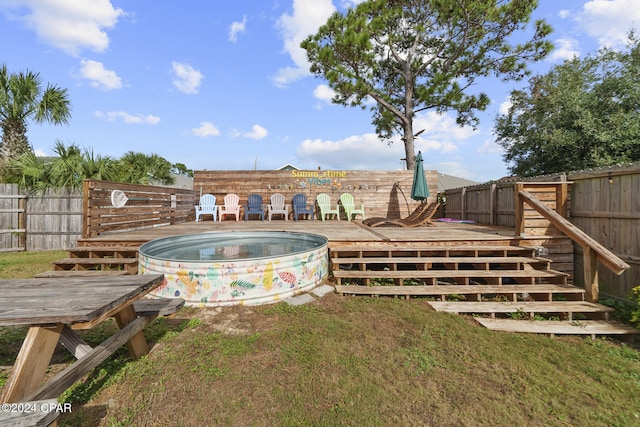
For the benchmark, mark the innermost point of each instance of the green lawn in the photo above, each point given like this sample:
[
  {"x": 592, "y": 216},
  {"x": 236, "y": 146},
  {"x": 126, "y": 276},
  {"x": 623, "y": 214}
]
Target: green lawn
[{"x": 349, "y": 361}]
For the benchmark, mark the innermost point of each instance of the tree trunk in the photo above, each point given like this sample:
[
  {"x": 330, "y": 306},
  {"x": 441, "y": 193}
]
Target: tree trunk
[{"x": 409, "y": 146}]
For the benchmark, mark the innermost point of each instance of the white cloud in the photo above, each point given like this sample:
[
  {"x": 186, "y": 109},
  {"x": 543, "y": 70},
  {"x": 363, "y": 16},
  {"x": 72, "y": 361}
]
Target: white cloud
[
  {"x": 127, "y": 118},
  {"x": 610, "y": 20},
  {"x": 355, "y": 152},
  {"x": 324, "y": 93},
  {"x": 257, "y": 133},
  {"x": 440, "y": 127},
  {"x": 505, "y": 106},
  {"x": 490, "y": 147},
  {"x": 307, "y": 17},
  {"x": 564, "y": 14},
  {"x": 236, "y": 28},
  {"x": 456, "y": 169},
  {"x": 566, "y": 48},
  {"x": 99, "y": 76},
  {"x": 68, "y": 25},
  {"x": 441, "y": 136},
  {"x": 205, "y": 130},
  {"x": 40, "y": 153},
  {"x": 187, "y": 79}
]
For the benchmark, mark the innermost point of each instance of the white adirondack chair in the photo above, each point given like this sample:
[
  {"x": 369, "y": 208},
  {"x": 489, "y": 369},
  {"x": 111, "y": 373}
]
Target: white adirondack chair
[
  {"x": 278, "y": 206},
  {"x": 231, "y": 206},
  {"x": 207, "y": 206}
]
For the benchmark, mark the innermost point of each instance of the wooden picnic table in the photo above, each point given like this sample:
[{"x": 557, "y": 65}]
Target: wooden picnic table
[{"x": 54, "y": 308}]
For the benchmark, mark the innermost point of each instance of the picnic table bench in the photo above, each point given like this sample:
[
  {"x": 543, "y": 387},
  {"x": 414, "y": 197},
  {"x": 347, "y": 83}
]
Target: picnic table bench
[{"x": 55, "y": 308}]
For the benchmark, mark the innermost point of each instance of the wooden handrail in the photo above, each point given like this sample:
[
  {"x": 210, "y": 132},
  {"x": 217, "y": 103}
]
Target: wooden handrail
[{"x": 592, "y": 250}]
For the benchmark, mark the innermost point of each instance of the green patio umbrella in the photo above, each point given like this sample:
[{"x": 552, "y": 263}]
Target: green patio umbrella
[{"x": 419, "y": 189}]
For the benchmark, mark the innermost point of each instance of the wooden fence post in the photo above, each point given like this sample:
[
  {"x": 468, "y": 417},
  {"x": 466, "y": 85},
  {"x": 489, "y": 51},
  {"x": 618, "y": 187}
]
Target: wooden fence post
[
  {"x": 562, "y": 192},
  {"x": 85, "y": 209},
  {"x": 22, "y": 223},
  {"x": 492, "y": 204},
  {"x": 463, "y": 205}
]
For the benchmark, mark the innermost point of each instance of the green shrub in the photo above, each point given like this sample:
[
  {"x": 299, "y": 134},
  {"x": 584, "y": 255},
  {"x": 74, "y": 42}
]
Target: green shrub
[{"x": 635, "y": 312}]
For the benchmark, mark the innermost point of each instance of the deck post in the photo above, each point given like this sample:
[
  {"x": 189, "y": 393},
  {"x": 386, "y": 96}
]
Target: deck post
[
  {"x": 590, "y": 260},
  {"x": 519, "y": 208}
]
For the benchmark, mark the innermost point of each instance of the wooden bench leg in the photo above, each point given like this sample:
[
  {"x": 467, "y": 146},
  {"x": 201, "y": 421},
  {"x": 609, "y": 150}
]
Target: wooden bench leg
[
  {"x": 137, "y": 345},
  {"x": 32, "y": 362}
]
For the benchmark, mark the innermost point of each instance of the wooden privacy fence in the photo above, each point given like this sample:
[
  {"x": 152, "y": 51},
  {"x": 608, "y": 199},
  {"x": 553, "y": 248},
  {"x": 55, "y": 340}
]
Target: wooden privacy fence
[
  {"x": 146, "y": 206},
  {"x": 604, "y": 203},
  {"x": 47, "y": 221},
  {"x": 383, "y": 193}
]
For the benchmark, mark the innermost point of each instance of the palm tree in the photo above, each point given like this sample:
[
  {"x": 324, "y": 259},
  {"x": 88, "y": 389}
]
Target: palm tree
[
  {"x": 21, "y": 99},
  {"x": 67, "y": 169},
  {"x": 141, "y": 168}
]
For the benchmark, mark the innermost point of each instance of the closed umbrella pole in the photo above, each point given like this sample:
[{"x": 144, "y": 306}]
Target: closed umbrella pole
[{"x": 419, "y": 189}]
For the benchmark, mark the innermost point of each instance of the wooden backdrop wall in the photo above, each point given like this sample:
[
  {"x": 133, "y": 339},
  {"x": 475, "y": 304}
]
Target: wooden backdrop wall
[{"x": 384, "y": 193}]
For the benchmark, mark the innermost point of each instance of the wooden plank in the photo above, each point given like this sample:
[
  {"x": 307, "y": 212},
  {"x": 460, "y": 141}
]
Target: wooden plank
[
  {"x": 40, "y": 413},
  {"x": 443, "y": 260},
  {"x": 438, "y": 274},
  {"x": 73, "y": 343},
  {"x": 96, "y": 261},
  {"x": 32, "y": 362},
  {"x": 559, "y": 327},
  {"x": 520, "y": 306},
  {"x": 158, "y": 307},
  {"x": 436, "y": 290},
  {"x": 80, "y": 273}
]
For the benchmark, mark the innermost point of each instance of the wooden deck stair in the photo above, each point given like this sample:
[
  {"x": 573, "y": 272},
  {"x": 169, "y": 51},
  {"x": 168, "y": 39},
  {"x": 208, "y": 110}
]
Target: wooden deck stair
[
  {"x": 508, "y": 286},
  {"x": 88, "y": 261}
]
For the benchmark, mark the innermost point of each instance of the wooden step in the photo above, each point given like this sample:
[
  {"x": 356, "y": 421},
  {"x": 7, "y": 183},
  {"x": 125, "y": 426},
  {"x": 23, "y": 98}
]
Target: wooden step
[
  {"x": 559, "y": 327},
  {"x": 491, "y": 307},
  {"x": 442, "y": 250},
  {"x": 464, "y": 276},
  {"x": 158, "y": 307},
  {"x": 452, "y": 262},
  {"x": 103, "y": 252},
  {"x": 81, "y": 273},
  {"x": 123, "y": 242},
  {"x": 545, "y": 290},
  {"x": 128, "y": 264}
]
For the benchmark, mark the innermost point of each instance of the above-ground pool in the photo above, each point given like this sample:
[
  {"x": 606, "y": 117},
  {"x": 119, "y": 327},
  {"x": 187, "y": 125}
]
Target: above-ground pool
[{"x": 228, "y": 268}]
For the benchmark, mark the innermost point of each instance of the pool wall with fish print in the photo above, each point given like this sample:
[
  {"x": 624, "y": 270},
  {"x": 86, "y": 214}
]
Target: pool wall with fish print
[{"x": 230, "y": 268}]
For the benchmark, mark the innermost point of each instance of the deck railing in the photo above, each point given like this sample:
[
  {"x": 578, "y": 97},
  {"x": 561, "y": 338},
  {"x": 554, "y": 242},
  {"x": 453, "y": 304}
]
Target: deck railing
[{"x": 592, "y": 251}]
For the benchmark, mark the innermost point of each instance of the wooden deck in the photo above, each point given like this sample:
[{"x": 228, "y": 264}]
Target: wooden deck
[
  {"x": 335, "y": 231},
  {"x": 538, "y": 267}
]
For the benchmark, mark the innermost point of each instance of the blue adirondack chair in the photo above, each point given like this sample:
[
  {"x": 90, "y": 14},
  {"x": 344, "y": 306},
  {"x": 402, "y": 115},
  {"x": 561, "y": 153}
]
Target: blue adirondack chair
[
  {"x": 300, "y": 207},
  {"x": 254, "y": 207}
]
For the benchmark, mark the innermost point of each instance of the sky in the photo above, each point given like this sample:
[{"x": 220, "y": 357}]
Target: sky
[{"x": 225, "y": 86}]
